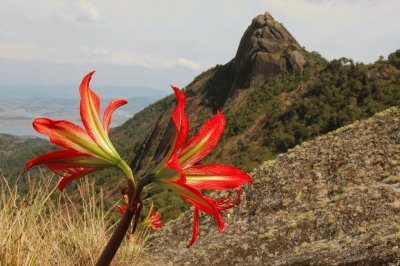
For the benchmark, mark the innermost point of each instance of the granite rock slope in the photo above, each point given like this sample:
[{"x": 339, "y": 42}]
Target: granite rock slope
[{"x": 331, "y": 201}]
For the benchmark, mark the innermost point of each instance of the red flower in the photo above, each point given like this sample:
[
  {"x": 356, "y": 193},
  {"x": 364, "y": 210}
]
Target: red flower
[
  {"x": 153, "y": 220},
  {"x": 122, "y": 209},
  {"x": 86, "y": 150},
  {"x": 179, "y": 172}
]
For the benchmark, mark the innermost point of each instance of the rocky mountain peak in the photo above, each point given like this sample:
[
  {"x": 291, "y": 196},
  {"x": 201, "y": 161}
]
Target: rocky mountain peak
[{"x": 267, "y": 48}]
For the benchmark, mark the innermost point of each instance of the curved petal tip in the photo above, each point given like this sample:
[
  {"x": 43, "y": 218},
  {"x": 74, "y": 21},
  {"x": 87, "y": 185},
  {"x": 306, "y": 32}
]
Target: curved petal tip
[{"x": 29, "y": 165}]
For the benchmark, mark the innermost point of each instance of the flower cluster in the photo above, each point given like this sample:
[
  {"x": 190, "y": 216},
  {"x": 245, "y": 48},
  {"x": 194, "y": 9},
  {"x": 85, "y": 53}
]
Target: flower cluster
[
  {"x": 89, "y": 149},
  {"x": 153, "y": 220},
  {"x": 86, "y": 150},
  {"x": 179, "y": 171}
]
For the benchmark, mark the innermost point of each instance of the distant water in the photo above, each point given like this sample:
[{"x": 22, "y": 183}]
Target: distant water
[
  {"x": 16, "y": 115},
  {"x": 26, "y": 129},
  {"x": 20, "y": 105}
]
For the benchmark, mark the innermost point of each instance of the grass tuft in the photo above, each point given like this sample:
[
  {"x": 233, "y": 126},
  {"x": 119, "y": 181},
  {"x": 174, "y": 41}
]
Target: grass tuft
[{"x": 48, "y": 227}]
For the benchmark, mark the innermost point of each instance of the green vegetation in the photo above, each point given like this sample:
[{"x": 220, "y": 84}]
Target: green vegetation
[
  {"x": 343, "y": 93},
  {"x": 262, "y": 122},
  {"x": 15, "y": 153},
  {"x": 293, "y": 107}
]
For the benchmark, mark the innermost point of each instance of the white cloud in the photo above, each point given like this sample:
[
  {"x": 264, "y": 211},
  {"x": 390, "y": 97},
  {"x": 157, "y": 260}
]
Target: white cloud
[
  {"x": 122, "y": 58},
  {"x": 187, "y": 63},
  {"x": 125, "y": 58},
  {"x": 356, "y": 29},
  {"x": 92, "y": 55},
  {"x": 178, "y": 36},
  {"x": 88, "y": 11}
]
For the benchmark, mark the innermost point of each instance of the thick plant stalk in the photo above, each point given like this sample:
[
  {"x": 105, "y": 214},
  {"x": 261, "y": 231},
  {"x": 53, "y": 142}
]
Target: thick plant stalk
[
  {"x": 123, "y": 225},
  {"x": 115, "y": 241}
]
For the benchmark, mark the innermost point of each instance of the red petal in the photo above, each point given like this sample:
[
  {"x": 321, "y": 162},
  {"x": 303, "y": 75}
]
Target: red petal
[
  {"x": 180, "y": 120},
  {"x": 65, "y": 134},
  {"x": 90, "y": 115},
  {"x": 194, "y": 196},
  {"x": 121, "y": 209},
  {"x": 215, "y": 176},
  {"x": 69, "y": 165},
  {"x": 156, "y": 223},
  {"x": 114, "y": 104},
  {"x": 90, "y": 104},
  {"x": 174, "y": 165},
  {"x": 227, "y": 202},
  {"x": 203, "y": 142},
  {"x": 64, "y": 157},
  {"x": 195, "y": 227},
  {"x": 181, "y": 127},
  {"x": 70, "y": 174}
]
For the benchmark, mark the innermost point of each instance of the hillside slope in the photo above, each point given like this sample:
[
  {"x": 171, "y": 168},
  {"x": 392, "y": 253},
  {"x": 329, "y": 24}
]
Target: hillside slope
[
  {"x": 15, "y": 151},
  {"x": 332, "y": 201},
  {"x": 274, "y": 94}
]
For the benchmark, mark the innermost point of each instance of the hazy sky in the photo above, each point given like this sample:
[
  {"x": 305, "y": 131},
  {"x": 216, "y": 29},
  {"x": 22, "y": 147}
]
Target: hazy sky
[{"x": 155, "y": 43}]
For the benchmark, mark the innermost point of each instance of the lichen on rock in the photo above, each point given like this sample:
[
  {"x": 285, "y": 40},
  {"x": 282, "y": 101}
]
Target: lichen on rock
[{"x": 347, "y": 214}]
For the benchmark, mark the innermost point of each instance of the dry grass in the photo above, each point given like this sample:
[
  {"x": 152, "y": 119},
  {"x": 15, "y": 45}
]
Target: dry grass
[{"x": 47, "y": 227}]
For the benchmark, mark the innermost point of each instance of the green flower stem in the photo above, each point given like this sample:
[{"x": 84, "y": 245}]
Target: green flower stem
[
  {"x": 130, "y": 178},
  {"x": 115, "y": 241}
]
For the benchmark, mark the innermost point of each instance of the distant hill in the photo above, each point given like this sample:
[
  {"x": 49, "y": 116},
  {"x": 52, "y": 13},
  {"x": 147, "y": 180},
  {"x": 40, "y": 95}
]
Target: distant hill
[
  {"x": 331, "y": 201},
  {"x": 15, "y": 151}
]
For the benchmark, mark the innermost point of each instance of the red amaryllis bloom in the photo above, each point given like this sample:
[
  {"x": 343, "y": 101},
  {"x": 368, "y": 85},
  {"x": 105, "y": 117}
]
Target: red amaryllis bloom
[
  {"x": 86, "y": 150},
  {"x": 179, "y": 172},
  {"x": 153, "y": 220}
]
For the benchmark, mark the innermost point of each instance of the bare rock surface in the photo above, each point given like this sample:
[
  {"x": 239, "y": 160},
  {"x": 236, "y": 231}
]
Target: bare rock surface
[{"x": 331, "y": 201}]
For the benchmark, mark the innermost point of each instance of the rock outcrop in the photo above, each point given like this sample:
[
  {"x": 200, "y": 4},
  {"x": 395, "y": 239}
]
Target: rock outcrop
[
  {"x": 332, "y": 201},
  {"x": 267, "y": 48}
]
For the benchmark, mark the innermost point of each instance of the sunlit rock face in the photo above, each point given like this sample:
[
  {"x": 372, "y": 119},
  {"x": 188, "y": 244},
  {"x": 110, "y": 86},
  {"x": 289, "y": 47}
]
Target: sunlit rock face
[
  {"x": 334, "y": 200},
  {"x": 266, "y": 49}
]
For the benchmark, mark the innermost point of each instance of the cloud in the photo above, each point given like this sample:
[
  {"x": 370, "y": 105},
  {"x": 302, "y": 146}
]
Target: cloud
[
  {"x": 143, "y": 35},
  {"x": 356, "y": 29},
  {"x": 108, "y": 56},
  {"x": 95, "y": 55},
  {"x": 187, "y": 63},
  {"x": 88, "y": 11},
  {"x": 122, "y": 58}
]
